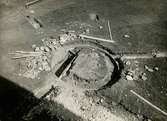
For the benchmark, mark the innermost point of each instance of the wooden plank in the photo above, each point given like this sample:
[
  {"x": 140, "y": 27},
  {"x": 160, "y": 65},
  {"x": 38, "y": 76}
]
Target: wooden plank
[
  {"x": 96, "y": 38},
  {"x": 149, "y": 103},
  {"x": 109, "y": 28}
]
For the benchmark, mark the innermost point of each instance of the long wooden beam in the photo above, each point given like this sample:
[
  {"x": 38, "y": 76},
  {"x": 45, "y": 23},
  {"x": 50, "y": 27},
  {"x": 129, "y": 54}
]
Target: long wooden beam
[{"x": 96, "y": 38}]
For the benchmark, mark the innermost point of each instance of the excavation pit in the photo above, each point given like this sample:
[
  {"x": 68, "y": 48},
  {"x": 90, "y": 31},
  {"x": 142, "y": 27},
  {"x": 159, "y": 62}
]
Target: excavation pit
[{"x": 93, "y": 68}]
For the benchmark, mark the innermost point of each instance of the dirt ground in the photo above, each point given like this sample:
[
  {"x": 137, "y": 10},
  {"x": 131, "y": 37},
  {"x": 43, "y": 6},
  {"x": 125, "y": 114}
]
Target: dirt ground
[{"x": 137, "y": 26}]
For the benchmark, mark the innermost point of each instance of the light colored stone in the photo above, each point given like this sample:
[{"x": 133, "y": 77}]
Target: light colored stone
[
  {"x": 130, "y": 72},
  {"x": 34, "y": 46},
  {"x": 128, "y": 63},
  {"x": 143, "y": 77},
  {"x": 126, "y": 36},
  {"x": 37, "y": 49},
  {"x": 42, "y": 48},
  {"x": 46, "y": 49},
  {"x": 129, "y": 78},
  {"x": 93, "y": 16},
  {"x": 87, "y": 30},
  {"x": 100, "y": 27},
  {"x": 32, "y": 11},
  {"x": 156, "y": 68},
  {"x": 148, "y": 69},
  {"x": 63, "y": 38},
  {"x": 83, "y": 108}
]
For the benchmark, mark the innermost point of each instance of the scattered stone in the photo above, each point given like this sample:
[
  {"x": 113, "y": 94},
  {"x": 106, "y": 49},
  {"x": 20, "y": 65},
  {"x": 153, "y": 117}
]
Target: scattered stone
[
  {"x": 37, "y": 49},
  {"x": 67, "y": 37},
  {"x": 154, "y": 53},
  {"x": 143, "y": 76},
  {"x": 149, "y": 120},
  {"x": 136, "y": 61},
  {"x": 129, "y": 78},
  {"x": 114, "y": 103},
  {"x": 63, "y": 38},
  {"x": 30, "y": 67},
  {"x": 47, "y": 68},
  {"x": 100, "y": 27},
  {"x": 42, "y": 48},
  {"x": 34, "y": 22},
  {"x": 126, "y": 36},
  {"x": 161, "y": 92},
  {"x": 148, "y": 69},
  {"x": 46, "y": 49},
  {"x": 128, "y": 63},
  {"x": 140, "y": 117},
  {"x": 130, "y": 72},
  {"x": 32, "y": 11},
  {"x": 83, "y": 108},
  {"x": 101, "y": 100},
  {"x": 51, "y": 43},
  {"x": 137, "y": 69},
  {"x": 54, "y": 42},
  {"x": 155, "y": 68},
  {"x": 40, "y": 68},
  {"x": 43, "y": 39},
  {"x": 33, "y": 46},
  {"x": 93, "y": 16},
  {"x": 87, "y": 31}
]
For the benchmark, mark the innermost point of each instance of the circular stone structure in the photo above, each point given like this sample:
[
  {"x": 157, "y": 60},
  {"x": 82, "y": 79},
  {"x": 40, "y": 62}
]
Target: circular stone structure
[
  {"x": 89, "y": 65},
  {"x": 92, "y": 69},
  {"x": 94, "y": 66}
]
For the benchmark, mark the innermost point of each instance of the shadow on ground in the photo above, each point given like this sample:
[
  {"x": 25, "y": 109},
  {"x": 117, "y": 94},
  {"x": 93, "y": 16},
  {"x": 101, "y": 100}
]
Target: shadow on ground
[{"x": 16, "y": 103}]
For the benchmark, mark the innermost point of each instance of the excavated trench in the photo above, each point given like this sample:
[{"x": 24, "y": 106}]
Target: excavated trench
[{"x": 93, "y": 67}]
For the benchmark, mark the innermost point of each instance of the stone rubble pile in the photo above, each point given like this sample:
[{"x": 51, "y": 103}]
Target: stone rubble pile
[
  {"x": 137, "y": 73},
  {"x": 31, "y": 67}
]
